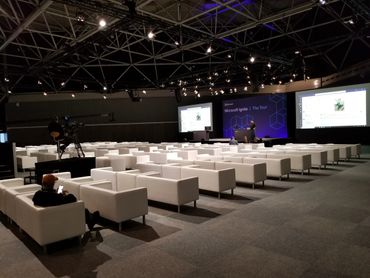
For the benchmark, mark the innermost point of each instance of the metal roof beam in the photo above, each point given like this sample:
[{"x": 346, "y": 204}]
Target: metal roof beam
[{"x": 26, "y": 23}]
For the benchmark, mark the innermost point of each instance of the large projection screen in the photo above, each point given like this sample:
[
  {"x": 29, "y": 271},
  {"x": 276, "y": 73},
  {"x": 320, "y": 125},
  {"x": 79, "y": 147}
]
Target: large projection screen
[
  {"x": 333, "y": 107},
  {"x": 268, "y": 111},
  {"x": 195, "y": 117}
]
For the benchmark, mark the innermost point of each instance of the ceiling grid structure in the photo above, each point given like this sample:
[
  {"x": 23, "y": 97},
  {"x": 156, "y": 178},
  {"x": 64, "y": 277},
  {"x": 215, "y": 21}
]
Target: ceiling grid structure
[{"x": 58, "y": 45}]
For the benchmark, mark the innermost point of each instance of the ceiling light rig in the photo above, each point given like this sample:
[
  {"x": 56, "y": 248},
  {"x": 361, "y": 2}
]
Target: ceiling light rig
[
  {"x": 151, "y": 35},
  {"x": 102, "y": 23}
]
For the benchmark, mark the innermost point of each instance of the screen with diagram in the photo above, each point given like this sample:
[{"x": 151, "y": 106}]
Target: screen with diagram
[
  {"x": 333, "y": 107},
  {"x": 195, "y": 117}
]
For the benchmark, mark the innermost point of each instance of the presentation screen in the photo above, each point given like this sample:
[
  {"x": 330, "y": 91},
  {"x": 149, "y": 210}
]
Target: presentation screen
[
  {"x": 3, "y": 137},
  {"x": 195, "y": 117},
  {"x": 268, "y": 111},
  {"x": 333, "y": 107}
]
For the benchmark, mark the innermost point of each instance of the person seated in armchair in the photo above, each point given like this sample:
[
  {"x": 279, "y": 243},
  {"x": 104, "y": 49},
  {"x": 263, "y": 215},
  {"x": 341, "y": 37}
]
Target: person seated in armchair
[{"x": 48, "y": 196}]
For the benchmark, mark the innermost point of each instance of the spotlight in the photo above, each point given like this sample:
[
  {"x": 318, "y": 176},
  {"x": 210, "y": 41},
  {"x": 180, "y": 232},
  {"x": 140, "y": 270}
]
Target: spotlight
[
  {"x": 73, "y": 95},
  {"x": 162, "y": 85},
  {"x": 262, "y": 86},
  {"x": 102, "y": 23},
  {"x": 185, "y": 94},
  {"x": 177, "y": 43},
  {"x": 269, "y": 65},
  {"x": 45, "y": 94},
  {"x": 280, "y": 82},
  {"x": 245, "y": 88},
  {"x": 80, "y": 17},
  {"x": 198, "y": 95},
  {"x": 228, "y": 80},
  {"x": 209, "y": 77},
  {"x": 209, "y": 50},
  {"x": 235, "y": 90},
  {"x": 252, "y": 59},
  {"x": 249, "y": 82},
  {"x": 104, "y": 97},
  {"x": 85, "y": 86},
  {"x": 6, "y": 79},
  {"x": 222, "y": 92},
  {"x": 9, "y": 91},
  {"x": 245, "y": 68},
  {"x": 226, "y": 71},
  {"x": 62, "y": 84},
  {"x": 215, "y": 74},
  {"x": 39, "y": 82},
  {"x": 144, "y": 92},
  {"x": 322, "y": 2},
  {"x": 198, "y": 79},
  {"x": 105, "y": 88},
  {"x": 229, "y": 56},
  {"x": 291, "y": 80},
  {"x": 151, "y": 35},
  {"x": 308, "y": 78},
  {"x": 297, "y": 52}
]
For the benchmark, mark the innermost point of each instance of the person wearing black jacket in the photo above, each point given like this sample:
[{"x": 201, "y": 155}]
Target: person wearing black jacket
[{"x": 48, "y": 196}]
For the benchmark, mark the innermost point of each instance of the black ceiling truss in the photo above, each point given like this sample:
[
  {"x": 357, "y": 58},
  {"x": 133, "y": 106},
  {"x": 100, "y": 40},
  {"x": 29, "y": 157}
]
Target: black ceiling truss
[{"x": 57, "y": 45}]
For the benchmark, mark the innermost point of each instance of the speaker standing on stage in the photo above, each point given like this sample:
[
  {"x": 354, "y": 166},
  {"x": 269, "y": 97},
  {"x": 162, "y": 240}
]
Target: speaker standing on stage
[{"x": 251, "y": 133}]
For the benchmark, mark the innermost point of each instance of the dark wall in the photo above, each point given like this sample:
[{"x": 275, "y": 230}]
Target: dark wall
[
  {"x": 153, "y": 119},
  {"x": 334, "y": 135}
]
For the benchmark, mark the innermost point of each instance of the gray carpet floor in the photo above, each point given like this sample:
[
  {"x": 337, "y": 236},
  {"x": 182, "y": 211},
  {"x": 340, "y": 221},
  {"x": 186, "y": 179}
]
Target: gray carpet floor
[{"x": 315, "y": 225}]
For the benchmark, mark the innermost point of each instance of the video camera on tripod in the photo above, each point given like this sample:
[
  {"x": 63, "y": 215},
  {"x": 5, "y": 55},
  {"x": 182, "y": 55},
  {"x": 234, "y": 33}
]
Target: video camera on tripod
[{"x": 64, "y": 132}]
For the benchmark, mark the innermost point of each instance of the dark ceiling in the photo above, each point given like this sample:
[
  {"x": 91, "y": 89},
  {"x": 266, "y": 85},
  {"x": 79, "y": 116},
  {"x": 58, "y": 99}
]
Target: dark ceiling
[{"x": 58, "y": 45}]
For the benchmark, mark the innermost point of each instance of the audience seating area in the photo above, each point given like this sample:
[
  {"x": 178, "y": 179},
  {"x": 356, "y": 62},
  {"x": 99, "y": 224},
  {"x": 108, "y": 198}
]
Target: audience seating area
[{"x": 128, "y": 174}]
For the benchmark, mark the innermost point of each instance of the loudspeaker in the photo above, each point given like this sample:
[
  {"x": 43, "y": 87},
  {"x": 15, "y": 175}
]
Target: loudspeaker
[{"x": 178, "y": 95}]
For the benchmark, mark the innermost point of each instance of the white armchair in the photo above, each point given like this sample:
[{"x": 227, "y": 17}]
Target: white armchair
[
  {"x": 117, "y": 206},
  {"x": 172, "y": 191},
  {"x": 246, "y": 173},
  {"x": 212, "y": 180},
  {"x": 50, "y": 224},
  {"x": 9, "y": 198},
  {"x": 8, "y": 184}
]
